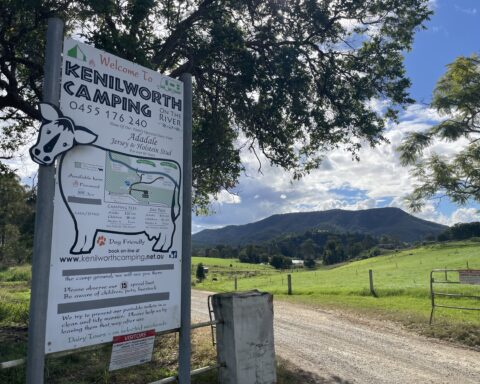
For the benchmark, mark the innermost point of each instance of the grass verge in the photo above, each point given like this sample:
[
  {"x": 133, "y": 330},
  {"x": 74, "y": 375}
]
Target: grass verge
[{"x": 91, "y": 366}]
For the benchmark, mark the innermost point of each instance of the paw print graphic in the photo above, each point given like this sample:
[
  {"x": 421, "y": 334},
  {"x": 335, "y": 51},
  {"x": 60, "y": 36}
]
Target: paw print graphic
[{"x": 101, "y": 240}]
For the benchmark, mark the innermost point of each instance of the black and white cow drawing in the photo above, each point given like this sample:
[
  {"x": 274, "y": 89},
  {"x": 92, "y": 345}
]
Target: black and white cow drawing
[{"x": 149, "y": 204}]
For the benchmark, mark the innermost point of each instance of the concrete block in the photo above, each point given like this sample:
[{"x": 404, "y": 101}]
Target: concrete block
[{"x": 245, "y": 341}]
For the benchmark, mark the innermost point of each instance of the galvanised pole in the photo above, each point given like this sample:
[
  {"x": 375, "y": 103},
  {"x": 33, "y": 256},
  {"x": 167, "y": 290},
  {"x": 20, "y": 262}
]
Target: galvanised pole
[
  {"x": 44, "y": 217},
  {"x": 185, "y": 321}
]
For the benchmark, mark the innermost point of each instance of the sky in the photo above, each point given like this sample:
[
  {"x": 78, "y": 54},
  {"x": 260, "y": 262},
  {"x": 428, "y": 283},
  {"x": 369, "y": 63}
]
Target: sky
[{"x": 378, "y": 180}]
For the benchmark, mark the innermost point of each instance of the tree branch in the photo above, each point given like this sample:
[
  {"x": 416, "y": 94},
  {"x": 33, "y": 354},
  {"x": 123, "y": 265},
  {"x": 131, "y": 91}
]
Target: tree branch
[{"x": 180, "y": 31}]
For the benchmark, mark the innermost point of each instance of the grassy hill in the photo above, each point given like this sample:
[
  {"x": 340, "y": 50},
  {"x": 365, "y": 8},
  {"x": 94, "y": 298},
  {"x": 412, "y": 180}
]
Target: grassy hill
[
  {"x": 376, "y": 222},
  {"x": 401, "y": 281}
]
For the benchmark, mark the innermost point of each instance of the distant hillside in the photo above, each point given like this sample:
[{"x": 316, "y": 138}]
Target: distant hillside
[{"x": 376, "y": 222}]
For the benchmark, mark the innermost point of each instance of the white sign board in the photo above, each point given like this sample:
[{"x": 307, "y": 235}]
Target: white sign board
[
  {"x": 469, "y": 276},
  {"x": 132, "y": 349},
  {"x": 116, "y": 248}
]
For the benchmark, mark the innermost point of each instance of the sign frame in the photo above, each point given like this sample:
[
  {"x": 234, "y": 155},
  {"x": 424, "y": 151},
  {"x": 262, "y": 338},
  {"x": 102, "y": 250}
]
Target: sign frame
[
  {"x": 116, "y": 246},
  {"x": 43, "y": 227}
]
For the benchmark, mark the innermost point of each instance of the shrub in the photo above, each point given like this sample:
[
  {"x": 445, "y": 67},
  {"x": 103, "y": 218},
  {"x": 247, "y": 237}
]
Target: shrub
[
  {"x": 309, "y": 263},
  {"x": 200, "y": 274},
  {"x": 280, "y": 262}
]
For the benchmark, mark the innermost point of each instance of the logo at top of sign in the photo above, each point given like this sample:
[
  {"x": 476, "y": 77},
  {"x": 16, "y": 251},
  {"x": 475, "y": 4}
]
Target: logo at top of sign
[
  {"x": 57, "y": 134},
  {"x": 77, "y": 53}
]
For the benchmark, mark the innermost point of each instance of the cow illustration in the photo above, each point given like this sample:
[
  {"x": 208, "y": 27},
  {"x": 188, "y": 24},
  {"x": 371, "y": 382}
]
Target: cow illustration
[{"x": 107, "y": 191}]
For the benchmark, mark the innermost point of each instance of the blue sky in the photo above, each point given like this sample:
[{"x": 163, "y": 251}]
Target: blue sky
[
  {"x": 378, "y": 180},
  {"x": 453, "y": 30}
]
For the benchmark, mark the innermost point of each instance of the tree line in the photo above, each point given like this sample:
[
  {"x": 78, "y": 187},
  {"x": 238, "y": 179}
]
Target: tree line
[
  {"x": 311, "y": 247},
  {"x": 460, "y": 231}
]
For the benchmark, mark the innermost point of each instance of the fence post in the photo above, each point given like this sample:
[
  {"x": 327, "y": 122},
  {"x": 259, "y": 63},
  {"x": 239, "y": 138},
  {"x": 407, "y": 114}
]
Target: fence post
[
  {"x": 432, "y": 296},
  {"x": 289, "y": 280},
  {"x": 372, "y": 290},
  {"x": 236, "y": 283}
]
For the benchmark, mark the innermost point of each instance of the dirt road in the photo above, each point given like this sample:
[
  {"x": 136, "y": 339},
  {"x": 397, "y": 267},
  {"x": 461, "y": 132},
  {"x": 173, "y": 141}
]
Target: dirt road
[{"x": 335, "y": 348}]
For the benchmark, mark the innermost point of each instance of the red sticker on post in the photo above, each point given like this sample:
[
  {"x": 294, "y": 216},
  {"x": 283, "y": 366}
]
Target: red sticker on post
[{"x": 132, "y": 349}]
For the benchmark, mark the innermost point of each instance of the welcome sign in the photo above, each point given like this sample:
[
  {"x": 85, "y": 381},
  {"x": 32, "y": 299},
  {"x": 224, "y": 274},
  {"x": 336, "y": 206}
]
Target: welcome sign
[
  {"x": 116, "y": 248},
  {"x": 132, "y": 109}
]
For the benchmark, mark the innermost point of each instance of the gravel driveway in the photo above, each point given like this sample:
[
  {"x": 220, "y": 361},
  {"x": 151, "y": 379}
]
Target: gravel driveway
[{"x": 332, "y": 347}]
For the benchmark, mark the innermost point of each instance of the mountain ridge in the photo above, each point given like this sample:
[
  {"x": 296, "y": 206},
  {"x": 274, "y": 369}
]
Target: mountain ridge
[{"x": 376, "y": 222}]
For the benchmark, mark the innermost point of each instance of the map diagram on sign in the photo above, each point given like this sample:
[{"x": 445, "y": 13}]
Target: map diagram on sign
[
  {"x": 135, "y": 195},
  {"x": 136, "y": 180}
]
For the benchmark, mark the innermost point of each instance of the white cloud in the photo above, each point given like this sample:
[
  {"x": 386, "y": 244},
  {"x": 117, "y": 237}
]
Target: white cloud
[
  {"x": 468, "y": 11},
  {"x": 420, "y": 113},
  {"x": 439, "y": 29},
  {"x": 430, "y": 211},
  {"x": 225, "y": 197},
  {"x": 465, "y": 215}
]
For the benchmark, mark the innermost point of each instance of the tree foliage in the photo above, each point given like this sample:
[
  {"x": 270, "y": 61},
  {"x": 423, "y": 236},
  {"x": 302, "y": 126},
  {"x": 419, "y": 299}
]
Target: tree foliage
[
  {"x": 200, "y": 272},
  {"x": 330, "y": 247},
  {"x": 461, "y": 231},
  {"x": 293, "y": 79},
  {"x": 333, "y": 252},
  {"x": 280, "y": 262},
  {"x": 310, "y": 263},
  {"x": 16, "y": 221},
  {"x": 457, "y": 97}
]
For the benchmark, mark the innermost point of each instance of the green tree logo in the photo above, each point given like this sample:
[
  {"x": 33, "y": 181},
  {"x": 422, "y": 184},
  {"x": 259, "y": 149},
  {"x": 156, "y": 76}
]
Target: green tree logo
[{"x": 77, "y": 53}]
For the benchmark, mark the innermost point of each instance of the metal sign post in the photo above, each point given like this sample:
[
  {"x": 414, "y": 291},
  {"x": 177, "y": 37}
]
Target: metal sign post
[
  {"x": 44, "y": 217},
  {"x": 184, "y": 346}
]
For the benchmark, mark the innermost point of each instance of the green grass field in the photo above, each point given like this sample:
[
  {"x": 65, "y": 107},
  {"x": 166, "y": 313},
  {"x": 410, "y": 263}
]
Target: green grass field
[{"x": 401, "y": 281}]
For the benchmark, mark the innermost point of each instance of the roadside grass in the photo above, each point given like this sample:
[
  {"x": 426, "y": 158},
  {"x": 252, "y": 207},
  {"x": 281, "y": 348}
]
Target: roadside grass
[
  {"x": 91, "y": 365},
  {"x": 18, "y": 273},
  {"x": 401, "y": 281},
  {"x": 15, "y": 296}
]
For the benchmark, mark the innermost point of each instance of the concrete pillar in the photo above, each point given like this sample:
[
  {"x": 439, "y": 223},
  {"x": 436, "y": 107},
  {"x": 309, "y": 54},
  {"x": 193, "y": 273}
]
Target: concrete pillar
[{"x": 245, "y": 337}]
